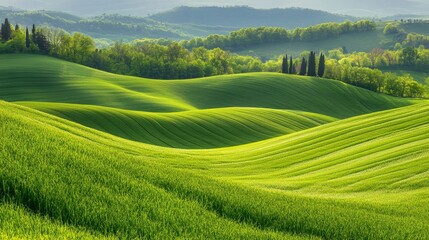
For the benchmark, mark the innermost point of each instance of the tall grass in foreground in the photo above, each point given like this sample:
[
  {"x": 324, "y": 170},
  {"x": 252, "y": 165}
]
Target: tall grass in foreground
[{"x": 72, "y": 179}]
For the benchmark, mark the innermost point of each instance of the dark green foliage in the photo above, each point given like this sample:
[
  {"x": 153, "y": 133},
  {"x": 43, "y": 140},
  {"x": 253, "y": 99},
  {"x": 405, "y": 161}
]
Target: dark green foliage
[
  {"x": 303, "y": 69},
  {"x": 27, "y": 38},
  {"x": 16, "y": 27},
  {"x": 292, "y": 69},
  {"x": 285, "y": 65},
  {"x": 409, "y": 56},
  {"x": 321, "y": 70},
  {"x": 42, "y": 42},
  {"x": 312, "y": 64},
  {"x": 33, "y": 33},
  {"x": 6, "y": 30}
]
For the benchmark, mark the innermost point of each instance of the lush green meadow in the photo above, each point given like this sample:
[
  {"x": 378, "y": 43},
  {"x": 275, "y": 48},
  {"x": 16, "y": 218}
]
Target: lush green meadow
[{"x": 87, "y": 154}]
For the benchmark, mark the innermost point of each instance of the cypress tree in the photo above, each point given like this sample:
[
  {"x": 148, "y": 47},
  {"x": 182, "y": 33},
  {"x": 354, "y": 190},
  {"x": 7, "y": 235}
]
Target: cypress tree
[
  {"x": 27, "y": 38},
  {"x": 6, "y": 30},
  {"x": 291, "y": 66},
  {"x": 303, "y": 70},
  {"x": 285, "y": 65},
  {"x": 312, "y": 64},
  {"x": 33, "y": 33},
  {"x": 16, "y": 27},
  {"x": 321, "y": 71}
]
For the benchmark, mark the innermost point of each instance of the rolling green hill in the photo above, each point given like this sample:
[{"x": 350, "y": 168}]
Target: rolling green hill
[
  {"x": 96, "y": 188},
  {"x": 100, "y": 184},
  {"x": 44, "y": 79},
  {"x": 92, "y": 155},
  {"x": 379, "y": 151}
]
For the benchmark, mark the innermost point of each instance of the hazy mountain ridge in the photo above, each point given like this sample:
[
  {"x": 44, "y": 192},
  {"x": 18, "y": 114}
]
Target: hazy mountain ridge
[
  {"x": 179, "y": 23},
  {"x": 362, "y": 8},
  {"x": 113, "y": 27},
  {"x": 243, "y": 16}
]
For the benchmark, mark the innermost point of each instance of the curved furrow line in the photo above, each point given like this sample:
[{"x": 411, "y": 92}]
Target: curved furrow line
[{"x": 189, "y": 130}]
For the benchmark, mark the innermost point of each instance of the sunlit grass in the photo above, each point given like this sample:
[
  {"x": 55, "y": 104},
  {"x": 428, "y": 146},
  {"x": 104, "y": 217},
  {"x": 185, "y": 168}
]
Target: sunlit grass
[{"x": 290, "y": 157}]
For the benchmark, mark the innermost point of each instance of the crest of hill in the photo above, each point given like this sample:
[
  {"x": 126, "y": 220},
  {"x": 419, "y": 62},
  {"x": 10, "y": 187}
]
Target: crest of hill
[{"x": 242, "y": 16}]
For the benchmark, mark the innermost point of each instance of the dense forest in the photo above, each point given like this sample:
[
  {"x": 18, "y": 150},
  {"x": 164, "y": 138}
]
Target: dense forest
[{"x": 174, "y": 61}]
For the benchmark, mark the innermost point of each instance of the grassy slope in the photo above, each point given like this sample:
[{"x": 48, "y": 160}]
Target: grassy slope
[
  {"x": 44, "y": 79},
  {"x": 361, "y": 178},
  {"x": 65, "y": 175},
  {"x": 359, "y": 42},
  {"x": 103, "y": 184},
  {"x": 17, "y": 223},
  {"x": 384, "y": 151},
  {"x": 191, "y": 129}
]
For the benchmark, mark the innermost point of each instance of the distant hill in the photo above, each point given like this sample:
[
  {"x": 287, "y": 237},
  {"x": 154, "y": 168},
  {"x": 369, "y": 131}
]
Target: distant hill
[
  {"x": 241, "y": 17},
  {"x": 9, "y": 8},
  {"x": 404, "y": 16},
  {"x": 113, "y": 27},
  {"x": 179, "y": 23}
]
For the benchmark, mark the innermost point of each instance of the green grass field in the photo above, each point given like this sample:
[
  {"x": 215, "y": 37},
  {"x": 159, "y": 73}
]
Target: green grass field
[{"x": 91, "y": 155}]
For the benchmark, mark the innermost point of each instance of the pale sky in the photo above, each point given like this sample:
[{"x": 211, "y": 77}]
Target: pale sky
[{"x": 145, "y": 7}]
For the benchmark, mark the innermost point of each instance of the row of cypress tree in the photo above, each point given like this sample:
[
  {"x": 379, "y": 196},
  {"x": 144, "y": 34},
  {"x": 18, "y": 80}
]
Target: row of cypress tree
[
  {"x": 307, "y": 68},
  {"x": 288, "y": 67}
]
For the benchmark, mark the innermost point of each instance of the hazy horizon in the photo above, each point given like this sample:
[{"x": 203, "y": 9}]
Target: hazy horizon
[{"x": 143, "y": 8}]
